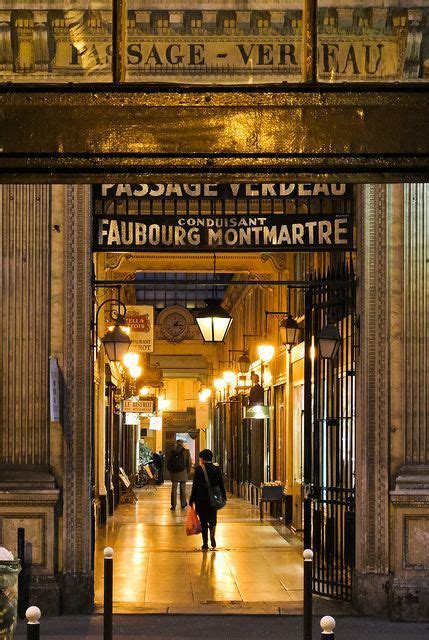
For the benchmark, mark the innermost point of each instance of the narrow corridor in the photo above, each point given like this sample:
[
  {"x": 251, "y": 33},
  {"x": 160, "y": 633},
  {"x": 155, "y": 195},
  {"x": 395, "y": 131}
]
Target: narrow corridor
[{"x": 156, "y": 566}]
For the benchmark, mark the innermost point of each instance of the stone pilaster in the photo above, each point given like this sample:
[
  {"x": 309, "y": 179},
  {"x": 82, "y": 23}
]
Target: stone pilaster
[
  {"x": 372, "y": 442},
  {"x": 410, "y": 494},
  {"x": 28, "y": 494},
  {"x": 77, "y": 539}
]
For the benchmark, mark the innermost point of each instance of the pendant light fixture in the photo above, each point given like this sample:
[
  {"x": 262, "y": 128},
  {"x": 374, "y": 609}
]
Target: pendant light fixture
[{"x": 214, "y": 321}]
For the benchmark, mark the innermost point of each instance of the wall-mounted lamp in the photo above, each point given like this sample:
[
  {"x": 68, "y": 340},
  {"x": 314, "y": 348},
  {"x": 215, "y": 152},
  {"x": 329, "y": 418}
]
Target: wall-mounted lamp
[{"x": 329, "y": 340}]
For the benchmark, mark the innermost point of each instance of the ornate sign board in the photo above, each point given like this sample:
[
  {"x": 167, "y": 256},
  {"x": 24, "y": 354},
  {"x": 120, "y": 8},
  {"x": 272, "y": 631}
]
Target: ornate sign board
[
  {"x": 140, "y": 320},
  {"x": 139, "y": 406},
  {"x": 183, "y": 218},
  {"x": 212, "y": 42}
]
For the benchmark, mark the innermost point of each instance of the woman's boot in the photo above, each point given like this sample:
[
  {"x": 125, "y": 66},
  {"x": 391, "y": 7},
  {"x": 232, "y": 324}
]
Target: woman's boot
[
  {"x": 212, "y": 537},
  {"x": 205, "y": 534}
]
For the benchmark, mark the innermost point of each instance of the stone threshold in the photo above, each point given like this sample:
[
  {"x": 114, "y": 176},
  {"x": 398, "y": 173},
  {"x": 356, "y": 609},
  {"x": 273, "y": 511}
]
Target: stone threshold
[{"x": 321, "y": 606}]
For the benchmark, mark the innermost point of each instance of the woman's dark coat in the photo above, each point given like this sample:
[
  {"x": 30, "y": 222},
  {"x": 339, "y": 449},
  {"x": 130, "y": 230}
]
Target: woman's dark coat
[{"x": 200, "y": 493}]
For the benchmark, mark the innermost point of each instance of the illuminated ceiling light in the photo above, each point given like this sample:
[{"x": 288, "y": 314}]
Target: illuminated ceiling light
[
  {"x": 135, "y": 371},
  {"x": 144, "y": 391},
  {"x": 329, "y": 340},
  {"x": 213, "y": 322},
  {"x": 204, "y": 394},
  {"x": 219, "y": 384},
  {"x": 116, "y": 344},
  {"x": 244, "y": 363},
  {"x": 131, "y": 359},
  {"x": 229, "y": 377},
  {"x": 289, "y": 331},
  {"x": 265, "y": 352}
]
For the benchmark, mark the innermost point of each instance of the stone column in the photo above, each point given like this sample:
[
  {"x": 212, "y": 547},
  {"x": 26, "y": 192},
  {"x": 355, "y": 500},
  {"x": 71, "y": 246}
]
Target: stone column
[
  {"x": 410, "y": 468},
  {"x": 392, "y": 477},
  {"x": 372, "y": 442},
  {"x": 78, "y": 381},
  {"x": 28, "y": 494}
]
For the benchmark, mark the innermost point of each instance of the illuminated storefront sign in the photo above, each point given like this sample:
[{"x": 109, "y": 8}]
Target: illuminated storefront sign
[
  {"x": 139, "y": 406},
  {"x": 140, "y": 320},
  {"x": 208, "y": 217}
]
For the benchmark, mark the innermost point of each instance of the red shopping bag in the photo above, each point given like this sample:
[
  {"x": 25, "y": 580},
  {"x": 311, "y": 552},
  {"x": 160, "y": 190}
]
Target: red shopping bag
[{"x": 193, "y": 525}]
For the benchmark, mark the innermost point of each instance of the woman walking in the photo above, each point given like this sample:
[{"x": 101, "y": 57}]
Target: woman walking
[{"x": 207, "y": 475}]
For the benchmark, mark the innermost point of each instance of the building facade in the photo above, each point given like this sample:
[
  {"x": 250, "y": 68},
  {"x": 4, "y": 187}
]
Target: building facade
[{"x": 56, "y": 141}]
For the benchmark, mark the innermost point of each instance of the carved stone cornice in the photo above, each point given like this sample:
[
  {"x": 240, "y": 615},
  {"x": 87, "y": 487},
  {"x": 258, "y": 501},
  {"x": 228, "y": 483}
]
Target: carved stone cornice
[{"x": 278, "y": 260}]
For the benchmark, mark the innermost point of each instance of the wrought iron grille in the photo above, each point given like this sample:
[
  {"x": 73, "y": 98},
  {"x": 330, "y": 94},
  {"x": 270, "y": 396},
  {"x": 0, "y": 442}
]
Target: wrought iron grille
[{"x": 329, "y": 434}]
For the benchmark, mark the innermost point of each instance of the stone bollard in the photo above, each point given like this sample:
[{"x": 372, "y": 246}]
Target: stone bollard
[
  {"x": 33, "y": 615},
  {"x": 308, "y": 594},
  {"x": 108, "y": 594},
  {"x": 328, "y": 625}
]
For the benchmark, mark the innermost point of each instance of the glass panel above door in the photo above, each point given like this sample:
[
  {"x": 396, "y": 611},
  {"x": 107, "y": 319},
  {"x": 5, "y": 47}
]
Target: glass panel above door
[
  {"x": 42, "y": 41},
  {"x": 362, "y": 41},
  {"x": 215, "y": 42}
]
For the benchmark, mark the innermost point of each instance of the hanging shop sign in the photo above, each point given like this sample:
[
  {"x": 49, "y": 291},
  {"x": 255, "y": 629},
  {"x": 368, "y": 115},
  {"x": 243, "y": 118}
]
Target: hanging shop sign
[
  {"x": 139, "y": 406},
  {"x": 140, "y": 320},
  {"x": 299, "y": 232},
  {"x": 203, "y": 217}
]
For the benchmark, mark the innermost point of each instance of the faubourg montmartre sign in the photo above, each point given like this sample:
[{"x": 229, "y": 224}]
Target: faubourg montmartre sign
[{"x": 211, "y": 217}]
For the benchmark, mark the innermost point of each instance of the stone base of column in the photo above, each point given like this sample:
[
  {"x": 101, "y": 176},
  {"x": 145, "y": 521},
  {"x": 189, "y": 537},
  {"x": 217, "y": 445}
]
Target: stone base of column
[
  {"x": 44, "y": 592},
  {"x": 77, "y": 593},
  {"x": 30, "y": 499},
  {"x": 371, "y": 593},
  {"x": 410, "y": 544}
]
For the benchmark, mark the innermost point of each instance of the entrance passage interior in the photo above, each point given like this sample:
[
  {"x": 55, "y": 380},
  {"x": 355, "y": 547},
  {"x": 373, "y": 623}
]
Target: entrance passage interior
[
  {"x": 158, "y": 567},
  {"x": 163, "y": 371}
]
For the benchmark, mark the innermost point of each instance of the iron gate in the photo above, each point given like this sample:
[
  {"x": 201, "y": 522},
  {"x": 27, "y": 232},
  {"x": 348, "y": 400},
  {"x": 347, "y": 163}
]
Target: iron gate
[{"x": 329, "y": 434}]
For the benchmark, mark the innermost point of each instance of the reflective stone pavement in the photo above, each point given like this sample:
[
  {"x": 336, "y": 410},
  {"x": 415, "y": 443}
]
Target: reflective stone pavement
[{"x": 158, "y": 568}]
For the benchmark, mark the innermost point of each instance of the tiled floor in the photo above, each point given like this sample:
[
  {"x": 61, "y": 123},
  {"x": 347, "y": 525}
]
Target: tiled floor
[{"x": 155, "y": 563}]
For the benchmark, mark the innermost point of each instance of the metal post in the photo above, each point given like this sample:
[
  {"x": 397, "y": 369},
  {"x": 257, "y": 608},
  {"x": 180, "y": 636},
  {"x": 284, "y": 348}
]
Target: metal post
[
  {"x": 33, "y": 625},
  {"x": 308, "y": 594},
  {"x": 108, "y": 594},
  {"x": 328, "y": 625},
  {"x": 22, "y": 582}
]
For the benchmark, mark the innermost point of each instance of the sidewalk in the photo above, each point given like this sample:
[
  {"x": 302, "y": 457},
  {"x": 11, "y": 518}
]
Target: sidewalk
[{"x": 221, "y": 627}]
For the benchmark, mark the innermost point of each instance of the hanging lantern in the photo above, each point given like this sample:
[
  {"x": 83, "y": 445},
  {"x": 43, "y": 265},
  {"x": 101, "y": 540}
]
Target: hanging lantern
[
  {"x": 116, "y": 344},
  {"x": 329, "y": 340},
  {"x": 289, "y": 331},
  {"x": 213, "y": 322},
  {"x": 244, "y": 363}
]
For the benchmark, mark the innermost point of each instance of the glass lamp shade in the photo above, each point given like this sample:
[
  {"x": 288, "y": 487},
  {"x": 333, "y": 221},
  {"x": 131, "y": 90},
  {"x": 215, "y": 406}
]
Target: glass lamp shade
[
  {"x": 289, "y": 331},
  {"x": 219, "y": 384},
  {"x": 229, "y": 377},
  {"x": 329, "y": 340},
  {"x": 266, "y": 352},
  {"x": 116, "y": 344},
  {"x": 131, "y": 359},
  {"x": 144, "y": 391},
  {"x": 135, "y": 371},
  {"x": 244, "y": 363},
  {"x": 213, "y": 322}
]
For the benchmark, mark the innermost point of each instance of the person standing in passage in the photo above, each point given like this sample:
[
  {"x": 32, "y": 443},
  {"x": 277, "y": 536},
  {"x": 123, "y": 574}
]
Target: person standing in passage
[
  {"x": 200, "y": 496},
  {"x": 179, "y": 465}
]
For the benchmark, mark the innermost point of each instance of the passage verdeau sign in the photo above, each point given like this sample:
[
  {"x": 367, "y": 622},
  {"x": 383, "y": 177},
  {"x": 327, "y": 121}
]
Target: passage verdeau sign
[{"x": 214, "y": 217}]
